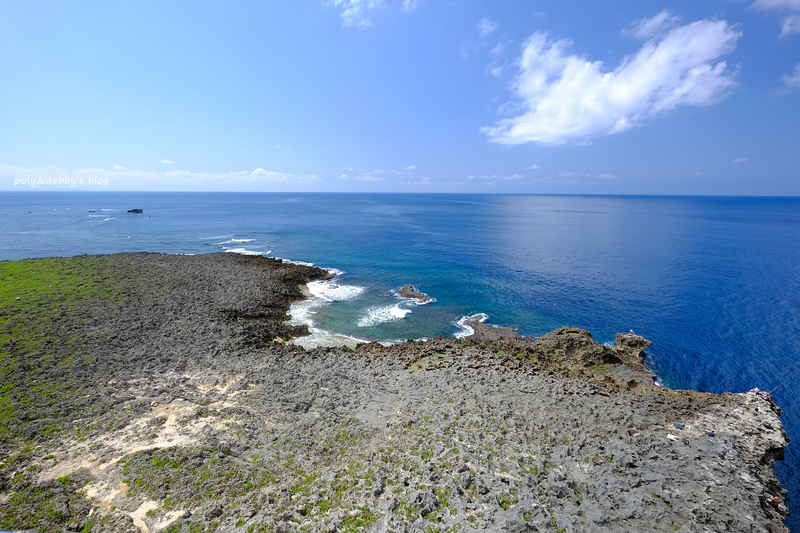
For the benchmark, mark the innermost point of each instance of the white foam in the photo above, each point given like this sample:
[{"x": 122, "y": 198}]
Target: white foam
[
  {"x": 320, "y": 338},
  {"x": 244, "y": 251},
  {"x": 379, "y": 315},
  {"x": 412, "y": 301},
  {"x": 107, "y": 219},
  {"x": 109, "y": 210},
  {"x": 301, "y": 313},
  {"x": 290, "y": 262},
  {"x": 333, "y": 292},
  {"x": 319, "y": 293},
  {"x": 466, "y": 330},
  {"x": 232, "y": 241}
]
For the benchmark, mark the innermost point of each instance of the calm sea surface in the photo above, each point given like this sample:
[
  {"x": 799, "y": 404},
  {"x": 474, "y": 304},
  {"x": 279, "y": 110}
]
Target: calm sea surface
[{"x": 714, "y": 282}]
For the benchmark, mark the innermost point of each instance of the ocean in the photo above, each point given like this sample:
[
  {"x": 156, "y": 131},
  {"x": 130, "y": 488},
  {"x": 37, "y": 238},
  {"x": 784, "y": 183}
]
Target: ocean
[{"x": 713, "y": 282}]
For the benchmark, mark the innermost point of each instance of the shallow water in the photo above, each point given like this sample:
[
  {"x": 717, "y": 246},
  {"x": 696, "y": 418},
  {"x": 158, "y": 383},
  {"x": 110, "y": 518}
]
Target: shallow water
[{"x": 713, "y": 282}]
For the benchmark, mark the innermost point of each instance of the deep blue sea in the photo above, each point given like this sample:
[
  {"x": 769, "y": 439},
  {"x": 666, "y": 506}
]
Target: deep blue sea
[{"x": 714, "y": 282}]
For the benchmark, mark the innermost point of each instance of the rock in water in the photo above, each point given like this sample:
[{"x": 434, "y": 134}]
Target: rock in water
[{"x": 409, "y": 291}]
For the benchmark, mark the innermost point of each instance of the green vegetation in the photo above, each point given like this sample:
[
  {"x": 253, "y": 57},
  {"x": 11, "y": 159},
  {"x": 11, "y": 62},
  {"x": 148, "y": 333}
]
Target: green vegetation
[
  {"x": 43, "y": 303},
  {"x": 42, "y": 506}
]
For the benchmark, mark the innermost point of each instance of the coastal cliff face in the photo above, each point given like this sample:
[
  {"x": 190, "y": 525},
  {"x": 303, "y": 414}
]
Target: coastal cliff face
[{"x": 148, "y": 392}]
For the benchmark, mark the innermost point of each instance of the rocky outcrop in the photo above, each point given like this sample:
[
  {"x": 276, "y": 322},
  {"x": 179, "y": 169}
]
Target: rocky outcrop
[
  {"x": 482, "y": 331},
  {"x": 172, "y": 409},
  {"x": 409, "y": 291}
]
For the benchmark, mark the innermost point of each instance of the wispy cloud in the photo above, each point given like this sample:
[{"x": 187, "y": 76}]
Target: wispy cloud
[
  {"x": 118, "y": 167},
  {"x": 409, "y": 5},
  {"x": 740, "y": 160},
  {"x": 487, "y": 26},
  {"x": 790, "y": 9},
  {"x": 363, "y": 177},
  {"x": 490, "y": 177},
  {"x": 652, "y": 27},
  {"x": 791, "y": 82},
  {"x": 567, "y": 98},
  {"x": 424, "y": 182},
  {"x": 356, "y": 13},
  {"x": 167, "y": 161}
]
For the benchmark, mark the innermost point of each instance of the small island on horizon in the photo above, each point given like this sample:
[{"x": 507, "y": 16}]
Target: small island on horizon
[{"x": 158, "y": 392}]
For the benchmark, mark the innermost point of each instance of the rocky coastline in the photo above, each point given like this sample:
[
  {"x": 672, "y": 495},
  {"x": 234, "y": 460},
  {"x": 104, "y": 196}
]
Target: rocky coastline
[{"x": 151, "y": 392}]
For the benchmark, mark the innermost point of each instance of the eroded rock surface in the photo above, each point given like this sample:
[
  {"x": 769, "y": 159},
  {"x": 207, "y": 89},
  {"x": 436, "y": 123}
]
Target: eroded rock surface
[{"x": 189, "y": 417}]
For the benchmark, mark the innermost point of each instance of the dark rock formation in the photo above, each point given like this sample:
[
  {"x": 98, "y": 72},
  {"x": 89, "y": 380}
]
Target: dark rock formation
[
  {"x": 135, "y": 211},
  {"x": 409, "y": 291},
  {"x": 489, "y": 333}
]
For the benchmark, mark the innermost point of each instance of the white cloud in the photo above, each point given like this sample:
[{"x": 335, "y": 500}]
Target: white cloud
[
  {"x": 499, "y": 48},
  {"x": 167, "y": 161},
  {"x": 792, "y": 82},
  {"x": 410, "y": 167},
  {"x": 791, "y": 24},
  {"x": 487, "y": 26},
  {"x": 496, "y": 177},
  {"x": 269, "y": 176},
  {"x": 409, "y": 5},
  {"x": 424, "y": 182},
  {"x": 494, "y": 70},
  {"x": 570, "y": 174},
  {"x": 533, "y": 167},
  {"x": 652, "y": 27},
  {"x": 790, "y": 9},
  {"x": 364, "y": 177},
  {"x": 567, "y": 98},
  {"x": 777, "y": 4},
  {"x": 118, "y": 167},
  {"x": 357, "y": 12},
  {"x": 607, "y": 176},
  {"x": 740, "y": 160}
]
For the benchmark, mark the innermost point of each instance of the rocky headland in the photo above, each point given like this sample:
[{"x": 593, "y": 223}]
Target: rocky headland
[{"x": 149, "y": 392}]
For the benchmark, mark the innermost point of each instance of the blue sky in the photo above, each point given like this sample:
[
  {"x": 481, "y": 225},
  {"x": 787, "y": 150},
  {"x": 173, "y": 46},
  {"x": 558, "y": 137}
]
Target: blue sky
[{"x": 625, "y": 97}]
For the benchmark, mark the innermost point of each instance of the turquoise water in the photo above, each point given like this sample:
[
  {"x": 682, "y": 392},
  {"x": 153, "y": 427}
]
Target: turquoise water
[{"x": 713, "y": 282}]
